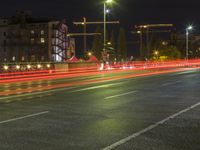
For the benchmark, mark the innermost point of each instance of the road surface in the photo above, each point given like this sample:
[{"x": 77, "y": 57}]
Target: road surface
[{"x": 159, "y": 112}]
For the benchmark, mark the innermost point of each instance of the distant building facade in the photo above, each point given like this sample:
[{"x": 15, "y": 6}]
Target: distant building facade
[{"x": 23, "y": 39}]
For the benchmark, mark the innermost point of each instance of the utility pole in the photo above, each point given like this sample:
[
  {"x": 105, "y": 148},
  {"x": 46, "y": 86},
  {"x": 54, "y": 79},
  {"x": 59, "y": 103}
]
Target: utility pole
[
  {"x": 148, "y": 46},
  {"x": 85, "y": 36},
  {"x": 141, "y": 44},
  {"x": 187, "y": 41},
  {"x": 104, "y": 29}
]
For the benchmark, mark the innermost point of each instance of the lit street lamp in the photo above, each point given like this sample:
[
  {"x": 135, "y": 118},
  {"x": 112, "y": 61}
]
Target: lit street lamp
[
  {"x": 105, "y": 12},
  {"x": 89, "y": 54},
  {"x": 156, "y": 53},
  {"x": 187, "y": 41},
  {"x": 5, "y": 67}
]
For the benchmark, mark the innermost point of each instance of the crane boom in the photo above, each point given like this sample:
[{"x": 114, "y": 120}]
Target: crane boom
[
  {"x": 96, "y": 22},
  {"x": 154, "y": 25}
]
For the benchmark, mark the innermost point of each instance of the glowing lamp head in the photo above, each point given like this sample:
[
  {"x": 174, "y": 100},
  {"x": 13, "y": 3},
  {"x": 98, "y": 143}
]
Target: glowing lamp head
[
  {"x": 17, "y": 67},
  {"x": 5, "y": 67},
  {"x": 48, "y": 65},
  {"x": 109, "y": 43},
  {"x": 190, "y": 28},
  {"x": 29, "y": 66},
  {"x": 156, "y": 52},
  {"x": 107, "y": 11},
  {"x": 109, "y": 1},
  {"x": 89, "y": 53},
  {"x": 39, "y": 66}
]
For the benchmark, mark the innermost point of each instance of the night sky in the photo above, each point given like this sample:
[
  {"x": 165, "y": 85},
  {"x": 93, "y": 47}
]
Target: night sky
[{"x": 128, "y": 12}]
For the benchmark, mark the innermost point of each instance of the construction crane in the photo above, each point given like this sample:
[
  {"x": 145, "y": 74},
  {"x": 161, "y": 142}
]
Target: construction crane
[
  {"x": 141, "y": 29},
  {"x": 83, "y": 34},
  {"x": 153, "y": 25},
  {"x": 85, "y": 23}
]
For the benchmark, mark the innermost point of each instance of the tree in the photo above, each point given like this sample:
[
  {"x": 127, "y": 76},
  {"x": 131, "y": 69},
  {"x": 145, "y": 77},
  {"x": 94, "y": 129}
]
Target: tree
[
  {"x": 168, "y": 52},
  {"x": 97, "y": 45},
  {"x": 122, "y": 47}
]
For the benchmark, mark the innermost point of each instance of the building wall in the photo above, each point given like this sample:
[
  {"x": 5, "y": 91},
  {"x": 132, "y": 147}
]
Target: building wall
[
  {"x": 3, "y": 34},
  {"x": 31, "y": 42}
]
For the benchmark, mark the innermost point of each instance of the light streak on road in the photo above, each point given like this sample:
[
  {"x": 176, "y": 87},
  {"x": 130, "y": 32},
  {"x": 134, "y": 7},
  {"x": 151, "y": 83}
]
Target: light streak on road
[{"x": 86, "y": 82}]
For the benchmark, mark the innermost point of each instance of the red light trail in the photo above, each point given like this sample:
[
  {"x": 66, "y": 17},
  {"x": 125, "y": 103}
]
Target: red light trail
[{"x": 152, "y": 68}]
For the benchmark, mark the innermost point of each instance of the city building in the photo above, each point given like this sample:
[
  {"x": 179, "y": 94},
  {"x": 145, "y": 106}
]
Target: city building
[{"x": 26, "y": 39}]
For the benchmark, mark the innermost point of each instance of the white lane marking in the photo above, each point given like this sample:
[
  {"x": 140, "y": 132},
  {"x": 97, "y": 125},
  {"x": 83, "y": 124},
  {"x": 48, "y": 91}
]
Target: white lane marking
[
  {"x": 35, "y": 93},
  {"x": 166, "y": 84},
  {"x": 171, "y": 83},
  {"x": 133, "y": 136},
  {"x": 24, "y": 117},
  {"x": 123, "y": 94},
  {"x": 97, "y": 87},
  {"x": 184, "y": 72}
]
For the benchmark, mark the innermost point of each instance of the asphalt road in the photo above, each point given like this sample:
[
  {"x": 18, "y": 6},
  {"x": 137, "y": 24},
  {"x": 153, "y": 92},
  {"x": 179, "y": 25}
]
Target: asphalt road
[{"x": 158, "y": 112}]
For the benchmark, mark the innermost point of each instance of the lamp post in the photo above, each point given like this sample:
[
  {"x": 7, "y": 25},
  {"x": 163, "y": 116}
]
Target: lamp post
[
  {"x": 105, "y": 12},
  {"x": 187, "y": 41},
  {"x": 156, "y": 53}
]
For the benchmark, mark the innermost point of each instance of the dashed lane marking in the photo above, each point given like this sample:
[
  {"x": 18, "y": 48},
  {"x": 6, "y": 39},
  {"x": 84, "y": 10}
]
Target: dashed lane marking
[
  {"x": 119, "y": 95},
  {"x": 24, "y": 117},
  {"x": 134, "y": 135},
  {"x": 97, "y": 87}
]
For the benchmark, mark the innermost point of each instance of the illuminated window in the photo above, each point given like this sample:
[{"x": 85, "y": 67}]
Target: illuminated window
[
  {"x": 42, "y": 58},
  {"x": 13, "y": 58},
  {"x": 23, "y": 58},
  {"x": 42, "y": 32},
  {"x": 32, "y": 57},
  {"x": 164, "y": 43},
  {"x": 42, "y": 40},
  {"x": 32, "y": 32}
]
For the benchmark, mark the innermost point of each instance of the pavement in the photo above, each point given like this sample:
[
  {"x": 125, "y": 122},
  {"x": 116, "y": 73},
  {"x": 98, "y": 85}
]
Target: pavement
[{"x": 158, "y": 112}]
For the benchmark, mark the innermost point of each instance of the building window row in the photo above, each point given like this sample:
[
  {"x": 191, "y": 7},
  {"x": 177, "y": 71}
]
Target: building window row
[
  {"x": 42, "y": 40},
  {"x": 33, "y": 32}
]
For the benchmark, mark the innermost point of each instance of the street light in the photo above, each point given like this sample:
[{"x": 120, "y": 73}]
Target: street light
[
  {"x": 105, "y": 11},
  {"x": 109, "y": 43},
  {"x": 28, "y": 66},
  {"x": 89, "y": 54},
  {"x": 5, "y": 67},
  {"x": 17, "y": 67},
  {"x": 156, "y": 52},
  {"x": 48, "y": 65},
  {"x": 187, "y": 40},
  {"x": 39, "y": 66}
]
